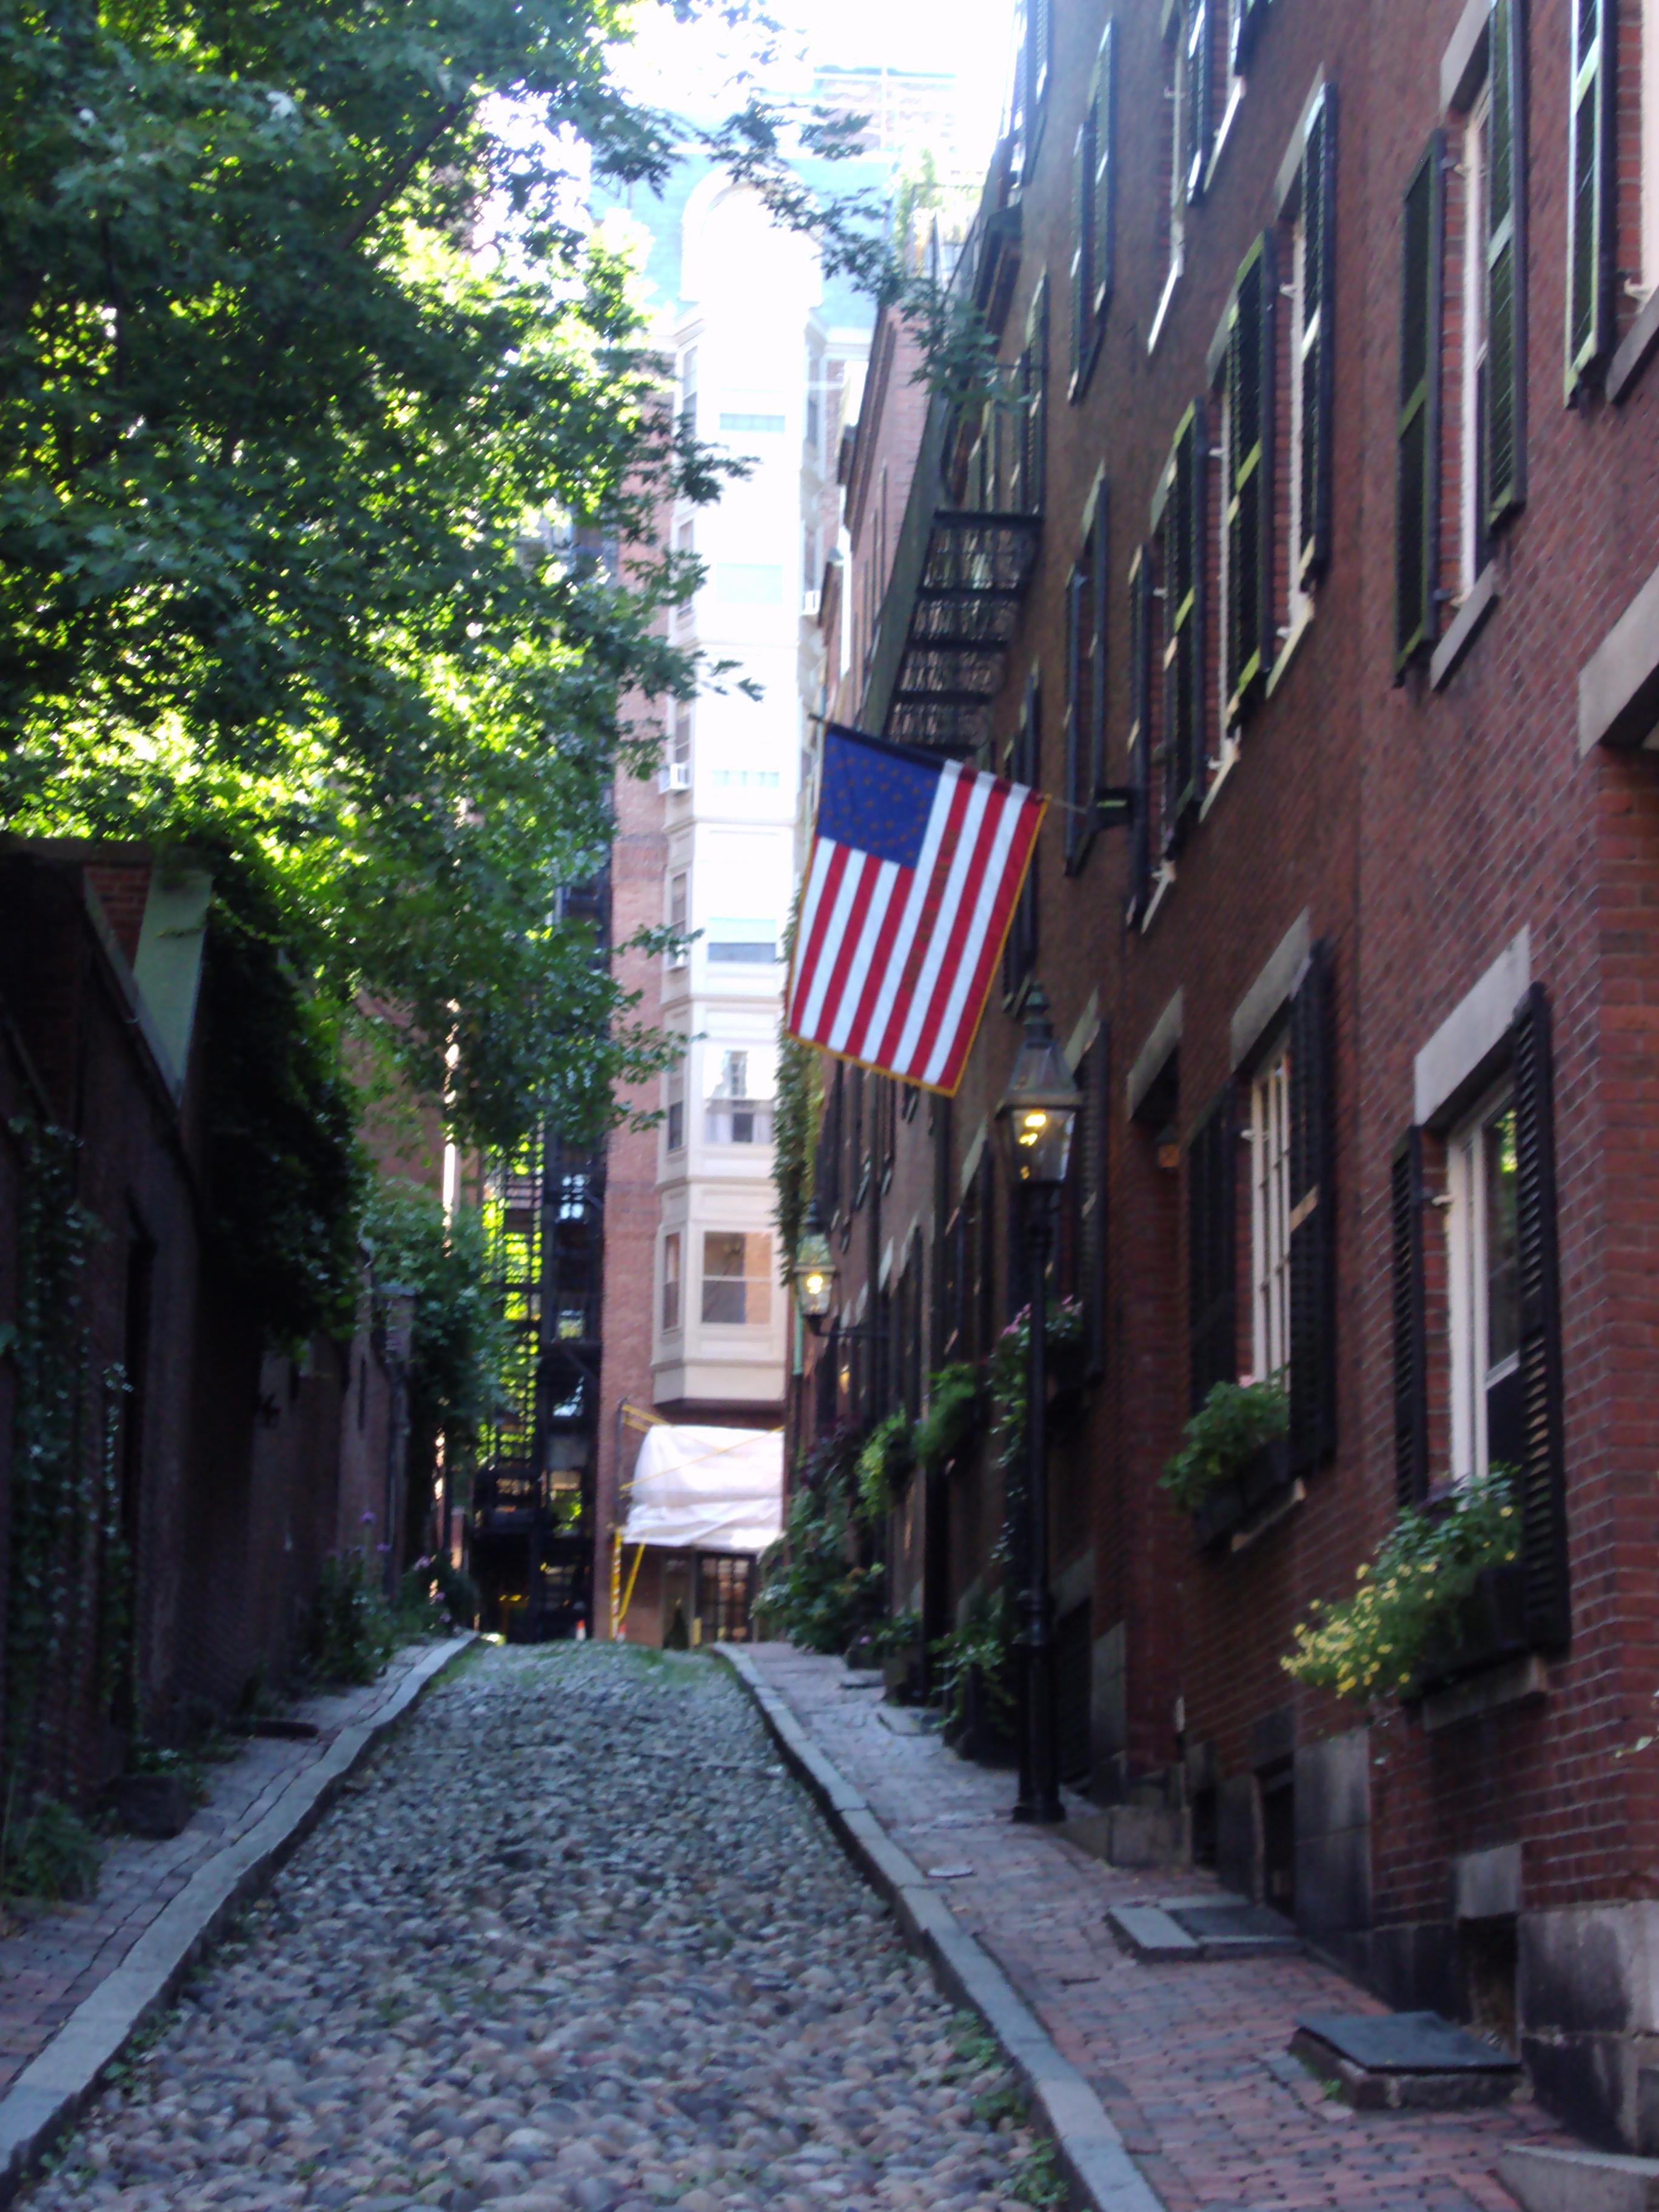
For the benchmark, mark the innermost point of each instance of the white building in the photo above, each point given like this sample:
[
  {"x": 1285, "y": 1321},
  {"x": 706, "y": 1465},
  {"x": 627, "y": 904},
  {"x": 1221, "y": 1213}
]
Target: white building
[{"x": 763, "y": 373}]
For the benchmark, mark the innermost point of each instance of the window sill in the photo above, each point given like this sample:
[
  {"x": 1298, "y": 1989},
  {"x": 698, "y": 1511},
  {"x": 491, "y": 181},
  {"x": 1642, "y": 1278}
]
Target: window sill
[
  {"x": 1299, "y": 630},
  {"x": 1513, "y": 1682},
  {"x": 1224, "y": 766},
  {"x": 1471, "y": 619},
  {"x": 1166, "y": 876},
  {"x": 1235, "y": 98},
  {"x": 1635, "y": 349},
  {"x": 1162, "y": 315}
]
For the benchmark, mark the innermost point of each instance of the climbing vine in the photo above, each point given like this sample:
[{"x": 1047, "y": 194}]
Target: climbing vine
[{"x": 67, "y": 1620}]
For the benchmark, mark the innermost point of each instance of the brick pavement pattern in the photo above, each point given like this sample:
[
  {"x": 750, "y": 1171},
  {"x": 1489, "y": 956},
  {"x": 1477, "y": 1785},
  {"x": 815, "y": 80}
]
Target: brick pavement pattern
[
  {"x": 1189, "y": 2060},
  {"x": 58, "y": 1955}
]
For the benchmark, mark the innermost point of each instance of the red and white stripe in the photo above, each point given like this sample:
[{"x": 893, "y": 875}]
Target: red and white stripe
[{"x": 892, "y": 965}]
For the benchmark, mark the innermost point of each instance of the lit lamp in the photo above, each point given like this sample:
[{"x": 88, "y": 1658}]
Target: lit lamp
[
  {"x": 815, "y": 1272},
  {"x": 1037, "y": 1114}
]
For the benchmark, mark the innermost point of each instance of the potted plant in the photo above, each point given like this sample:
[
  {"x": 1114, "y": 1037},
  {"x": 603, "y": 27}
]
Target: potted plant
[
  {"x": 947, "y": 1426},
  {"x": 1234, "y": 1457},
  {"x": 1441, "y": 1570},
  {"x": 974, "y": 1678}
]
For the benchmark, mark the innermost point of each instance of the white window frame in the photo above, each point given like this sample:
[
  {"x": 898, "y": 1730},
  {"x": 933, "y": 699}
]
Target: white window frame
[
  {"x": 1298, "y": 599},
  {"x": 751, "y": 1283},
  {"x": 1270, "y": 1216},
  {"x": 1465, "y": 1278},
  {"x": 1477, "y": 138}
]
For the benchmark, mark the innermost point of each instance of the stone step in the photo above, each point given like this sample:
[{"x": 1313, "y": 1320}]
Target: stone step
[
  {"x": 1544, "y": 2180},
  {"x": 1403, "y": 2061},
  {"x": 1212, "y": 1927}
]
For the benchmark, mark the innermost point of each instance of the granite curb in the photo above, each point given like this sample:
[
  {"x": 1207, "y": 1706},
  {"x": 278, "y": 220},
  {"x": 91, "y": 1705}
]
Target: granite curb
[
  {"x": 1089, "y": 2148},
  {"x": 51, "y": 2092}
]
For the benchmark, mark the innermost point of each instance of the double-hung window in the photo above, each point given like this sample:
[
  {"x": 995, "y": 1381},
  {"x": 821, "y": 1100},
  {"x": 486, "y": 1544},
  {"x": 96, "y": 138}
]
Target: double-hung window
[
  {"x": 1270, "y": 1216},
  {"x": 1182, "y": 564},
  {"x": 736, "y": 1280},
  {"x": 1483, "y": 1272},
  {"x": 671, "y": 1280}
]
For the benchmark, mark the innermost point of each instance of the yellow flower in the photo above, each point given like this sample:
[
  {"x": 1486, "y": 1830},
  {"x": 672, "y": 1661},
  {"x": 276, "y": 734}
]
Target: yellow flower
[{"x": 1360, "y": 1573}]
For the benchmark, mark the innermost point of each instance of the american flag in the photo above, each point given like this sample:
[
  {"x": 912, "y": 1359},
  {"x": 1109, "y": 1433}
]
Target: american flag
[{"x": 915, "y": 867}]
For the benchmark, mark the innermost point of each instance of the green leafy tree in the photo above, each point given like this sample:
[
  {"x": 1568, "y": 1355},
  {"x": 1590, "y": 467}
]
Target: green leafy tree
[{"x": 321, "y": 415}]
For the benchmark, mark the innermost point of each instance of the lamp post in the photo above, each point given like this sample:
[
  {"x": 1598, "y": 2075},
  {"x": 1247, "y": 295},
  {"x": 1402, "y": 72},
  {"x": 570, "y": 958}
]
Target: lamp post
[{"x": 1037, "y": 1114}]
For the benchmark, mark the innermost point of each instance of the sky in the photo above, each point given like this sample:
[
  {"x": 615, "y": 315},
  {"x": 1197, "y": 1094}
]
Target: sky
[{"x": 688, "y": 67}]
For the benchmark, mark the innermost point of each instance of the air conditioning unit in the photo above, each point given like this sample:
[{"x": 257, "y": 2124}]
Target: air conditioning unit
[
  {"x": 810, "y": 602},
  {"x": 680, "y": 957},
  {"x": 675, "y": 777}
]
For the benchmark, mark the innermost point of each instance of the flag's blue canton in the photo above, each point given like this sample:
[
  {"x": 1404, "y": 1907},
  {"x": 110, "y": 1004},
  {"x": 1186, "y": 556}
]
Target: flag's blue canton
[{"x": 877, "y": 800}]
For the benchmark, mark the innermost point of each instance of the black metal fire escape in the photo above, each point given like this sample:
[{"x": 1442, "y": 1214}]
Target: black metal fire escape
[{"x": 533, "y": 1519}]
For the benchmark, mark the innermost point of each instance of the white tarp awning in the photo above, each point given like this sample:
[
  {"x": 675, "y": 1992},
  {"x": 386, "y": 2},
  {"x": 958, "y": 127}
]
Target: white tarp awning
[{"x": 720, "y": 1490}]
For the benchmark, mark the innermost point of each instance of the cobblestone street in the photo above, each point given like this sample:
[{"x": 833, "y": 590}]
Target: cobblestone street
[{"x": 574, "y": 1943}]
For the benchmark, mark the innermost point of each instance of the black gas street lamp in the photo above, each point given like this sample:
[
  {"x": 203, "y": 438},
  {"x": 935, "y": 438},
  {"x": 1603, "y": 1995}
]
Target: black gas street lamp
[
  {"x": 1037, "y": 1115},
  {"x": 815, "y": 1271}
]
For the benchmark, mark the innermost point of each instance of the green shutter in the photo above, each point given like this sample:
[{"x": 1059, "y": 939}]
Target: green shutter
[
  {"x": 1140, "y": 732},
  {"x": 1503, "y": 464},
  {"x": 1590, "y": 187},
  {"x": 1316, "y": 364},
  {"x": 1249, "y": 487},
  {"x": 1103, "y": 231},
  {"x": 1198, "y": 94},
  {"x": 1542, "y": 1475},
  {"x": 1417, "y": 519}
]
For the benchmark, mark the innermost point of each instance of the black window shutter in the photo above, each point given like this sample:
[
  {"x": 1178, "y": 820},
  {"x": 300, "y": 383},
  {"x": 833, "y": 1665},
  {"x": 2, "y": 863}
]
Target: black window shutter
[
  {"x": 1417, "y": 521},
  {"x": 1246, "y": 24},
  {"x": 1034, "y": 400},
  {"x": 1250, "y": 479},
  {"x": 1141, "y": 731},
  {"x": 1313, "y": 1218},
  {"x": 1079, "y": 791},
  {"x": 1099, "y": 592},
  {"x": 1590, "y": 179},
  {"x": 1104, "y": 222},
  {"x": 1198, "y": 89},
  {"x": 1184, "y": 576},
  {"x": 1211, "y": 1291},
  {"x": 1505, "y": 470},
  {"x": 1543, "y": 1481},
  {"x": 1093, "y": 1077},
  {"x": 1411, "y": 1356},
  {"x": 1317, "y": 365},
  {"x": 1083, "y": 211}
]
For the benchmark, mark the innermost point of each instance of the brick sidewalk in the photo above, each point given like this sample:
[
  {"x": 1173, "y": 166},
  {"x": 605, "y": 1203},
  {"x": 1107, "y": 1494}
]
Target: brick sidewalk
[
  {"x": 1188, "y": 2060},
  {"x": 61, "y": 1952}
]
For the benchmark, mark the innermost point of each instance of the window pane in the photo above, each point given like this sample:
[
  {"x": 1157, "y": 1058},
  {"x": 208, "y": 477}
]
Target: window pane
[
  {"x": 671, "y": 1282},
  {"x": 1502, "y": 1261},
  {"x": 737, "y": 1278}
]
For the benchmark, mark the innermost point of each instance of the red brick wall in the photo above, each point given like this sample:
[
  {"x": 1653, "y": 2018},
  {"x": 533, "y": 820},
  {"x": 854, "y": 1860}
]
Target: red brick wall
[{"x": 1420, "y": 831}]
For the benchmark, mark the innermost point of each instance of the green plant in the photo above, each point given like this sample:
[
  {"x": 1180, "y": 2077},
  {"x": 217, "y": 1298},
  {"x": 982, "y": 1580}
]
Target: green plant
[
  {"x": 458, "y": 1340},
  {"x": 896, "y": 1633},
  {"x": 1234, "y": 1422},
  {"x": 948, "y": 1422},
  {"x": 1009, "y": 1368},
  {"x": 353, "y": 1634},
  {"x": 983, "y": 1643},
  {"x": 1038, "y": 2180},
  {"x": 50, "y": 1854},
  {"x": 457, "y": 1590},
  {"x": 821, "y": 1595},
  {"x": 1380, "y": 1639},
  {"x": 887, "y": 1456}
]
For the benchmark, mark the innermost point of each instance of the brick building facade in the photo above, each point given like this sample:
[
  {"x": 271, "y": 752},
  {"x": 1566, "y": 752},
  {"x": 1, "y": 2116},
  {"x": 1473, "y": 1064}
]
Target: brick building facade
[
  {"x": 1315, "y": 508},
  {"x": 208, "y": 1475}
]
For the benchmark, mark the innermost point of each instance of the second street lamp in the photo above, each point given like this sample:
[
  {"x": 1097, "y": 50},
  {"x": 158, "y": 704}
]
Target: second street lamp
[
  {"x": 1037, "y": 1114},
  {"x": 815, "y": 1270}
]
